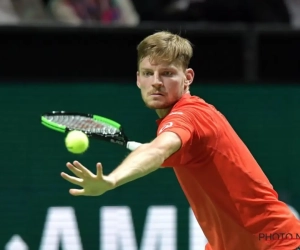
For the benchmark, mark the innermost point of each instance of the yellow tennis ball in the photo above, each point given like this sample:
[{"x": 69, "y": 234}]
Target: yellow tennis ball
[{"x": 77, "y": 142}]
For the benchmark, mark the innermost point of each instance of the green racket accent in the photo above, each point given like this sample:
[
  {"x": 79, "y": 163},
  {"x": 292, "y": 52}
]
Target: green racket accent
[
  {"x": 107, "y": 121},
  {"x": 53, "y": 125}
]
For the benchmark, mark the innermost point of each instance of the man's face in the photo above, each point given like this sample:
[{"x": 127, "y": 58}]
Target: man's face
[{"x": 162, "y": 85}]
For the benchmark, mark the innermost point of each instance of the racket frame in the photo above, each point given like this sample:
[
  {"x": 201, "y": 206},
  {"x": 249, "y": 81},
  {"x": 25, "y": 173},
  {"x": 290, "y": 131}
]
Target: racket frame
[{"x": 118, "y": 138}]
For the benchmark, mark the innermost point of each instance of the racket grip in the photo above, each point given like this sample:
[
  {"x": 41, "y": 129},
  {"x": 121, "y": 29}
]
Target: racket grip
[{"x": 132, "y": 145}]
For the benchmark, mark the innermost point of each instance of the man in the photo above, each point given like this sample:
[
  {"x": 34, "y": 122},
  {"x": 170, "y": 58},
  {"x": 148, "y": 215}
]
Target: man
[{"x": 232, "y": 199}]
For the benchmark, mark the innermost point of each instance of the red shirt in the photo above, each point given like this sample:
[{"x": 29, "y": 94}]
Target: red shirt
[{"x": 232, "y": 199}]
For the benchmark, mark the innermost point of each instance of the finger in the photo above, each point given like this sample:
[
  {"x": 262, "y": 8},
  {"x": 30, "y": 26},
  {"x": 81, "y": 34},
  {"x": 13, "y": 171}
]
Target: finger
[
  {"x": 99, "y": 170},
  {"x": 73, "y": 180},
  {"x": 74, "y": 170},
  {"x": 83, "y": 169},
  {"x": 77, "y": 192}
]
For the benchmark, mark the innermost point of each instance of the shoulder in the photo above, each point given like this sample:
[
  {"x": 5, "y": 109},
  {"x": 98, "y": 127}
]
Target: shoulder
[
  {"x": 190, "y": 104},
  {"x": 191, "y": 108}
]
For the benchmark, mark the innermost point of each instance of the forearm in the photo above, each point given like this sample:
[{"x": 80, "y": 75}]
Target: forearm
[{"x": 139, "y": 163}]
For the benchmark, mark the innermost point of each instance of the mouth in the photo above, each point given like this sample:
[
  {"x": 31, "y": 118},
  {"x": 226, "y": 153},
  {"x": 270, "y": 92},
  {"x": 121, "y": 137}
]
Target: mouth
[{"x": 156, "y": 94}]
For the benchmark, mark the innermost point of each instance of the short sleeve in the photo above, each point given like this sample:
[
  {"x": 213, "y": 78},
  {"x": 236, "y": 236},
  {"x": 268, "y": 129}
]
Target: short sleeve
[
  {"x": 181, "y": 125},
  {"x": 178, "y": 124}
]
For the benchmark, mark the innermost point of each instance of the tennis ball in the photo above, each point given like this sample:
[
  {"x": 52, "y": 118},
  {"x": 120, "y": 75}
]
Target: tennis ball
[{"x": 77, "y": 142}]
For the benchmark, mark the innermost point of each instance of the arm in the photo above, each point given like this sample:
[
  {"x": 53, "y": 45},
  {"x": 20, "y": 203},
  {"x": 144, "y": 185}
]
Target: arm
[{"x": 144, "y": 160}]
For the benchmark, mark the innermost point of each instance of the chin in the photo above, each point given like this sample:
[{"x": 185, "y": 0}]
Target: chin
[{"x": 157, "y": 105}]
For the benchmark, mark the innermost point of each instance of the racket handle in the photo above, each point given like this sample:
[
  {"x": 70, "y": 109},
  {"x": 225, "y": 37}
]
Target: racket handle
[{"x": 132, "y": 145}]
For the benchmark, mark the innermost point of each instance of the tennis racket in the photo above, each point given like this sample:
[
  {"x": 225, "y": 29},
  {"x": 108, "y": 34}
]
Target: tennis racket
[{"x": 93, "y": 126}]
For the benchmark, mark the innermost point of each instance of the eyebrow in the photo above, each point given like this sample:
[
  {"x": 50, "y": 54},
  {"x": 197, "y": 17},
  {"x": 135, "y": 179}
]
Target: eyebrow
[{"x": 163, "y": 68}]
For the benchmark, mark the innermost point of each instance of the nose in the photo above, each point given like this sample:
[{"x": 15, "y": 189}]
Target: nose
[{"x": 157, "y": 83}]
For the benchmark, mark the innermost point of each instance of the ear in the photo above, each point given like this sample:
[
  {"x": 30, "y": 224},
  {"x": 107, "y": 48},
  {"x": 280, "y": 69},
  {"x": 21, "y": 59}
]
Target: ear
[
  {"x": 138, "y": 79},
  {"x": 189, "y": 75}
]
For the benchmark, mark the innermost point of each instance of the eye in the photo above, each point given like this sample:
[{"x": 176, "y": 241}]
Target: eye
[
  {"x": 167, "y": 73},
  {"x": 147, "y": 73}
]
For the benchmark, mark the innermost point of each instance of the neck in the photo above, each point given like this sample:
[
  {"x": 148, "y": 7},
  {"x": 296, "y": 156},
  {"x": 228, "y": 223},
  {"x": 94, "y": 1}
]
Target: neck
[{"x": 162, "y": 112}]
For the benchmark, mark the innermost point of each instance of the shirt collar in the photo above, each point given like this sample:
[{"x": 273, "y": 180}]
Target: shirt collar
[{"x": 183, "y": 97}]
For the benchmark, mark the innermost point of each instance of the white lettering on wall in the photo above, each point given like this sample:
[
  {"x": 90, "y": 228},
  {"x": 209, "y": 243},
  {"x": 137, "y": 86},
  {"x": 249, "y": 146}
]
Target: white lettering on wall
[
  {"x": 61, "y": 230},
  {"x": 117, "y": 229},
  {"x": 160, "y": 228},
  {"x": 197, "y": 239}
]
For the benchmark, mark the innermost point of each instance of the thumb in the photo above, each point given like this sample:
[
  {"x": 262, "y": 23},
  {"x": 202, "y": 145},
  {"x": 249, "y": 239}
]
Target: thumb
[
  {"x": 99, "y": 170},
  {"x": 77, "y": 192}
]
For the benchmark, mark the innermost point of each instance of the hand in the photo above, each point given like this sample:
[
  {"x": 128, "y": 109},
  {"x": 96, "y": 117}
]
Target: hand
[{"x": 92, "y": 185}]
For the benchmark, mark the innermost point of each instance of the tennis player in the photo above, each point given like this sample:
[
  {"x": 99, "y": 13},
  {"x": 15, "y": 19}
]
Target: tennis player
[{"x": 232, "y": 199}]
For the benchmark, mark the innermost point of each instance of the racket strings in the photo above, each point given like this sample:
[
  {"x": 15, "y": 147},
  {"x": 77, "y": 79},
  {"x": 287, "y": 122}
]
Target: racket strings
[{"x": 84, "y": 124}]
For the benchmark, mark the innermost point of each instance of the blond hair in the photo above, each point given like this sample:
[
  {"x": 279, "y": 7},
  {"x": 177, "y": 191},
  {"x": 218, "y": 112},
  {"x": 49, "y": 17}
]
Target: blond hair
[{"x": 166, "y": 47}]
